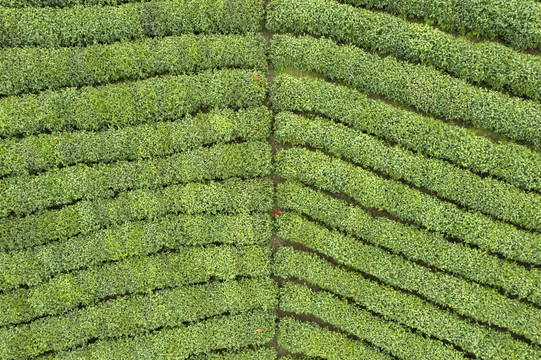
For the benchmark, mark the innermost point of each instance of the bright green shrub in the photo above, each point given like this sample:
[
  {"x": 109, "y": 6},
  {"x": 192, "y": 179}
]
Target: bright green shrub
[
  {"x": 516, "y": 21},
  {"x": 488, "y": 62},
  {"x": 399, "y": 341},
  {"x": 25, "y": 194},
  {"x": 232, "y": 196},
  {"x": 129, "y": 103},
  {"x": 413, "y": 242},
  {"x": 34, "y": 265},
  {"x": 516, "y": 164},
  {"x": 420, "y": 86},
  {"x": 140, "y": 274},
  {"x": 370, "y": 190},
  {"x": 81, "y": 25},
  {"x": 61, "y": 3},
  {"x": 134, "y": 315},
  {"x": 258, "y": 353},
  {"x": 313, "y": 340},
  {"x": 47, "y": 151},
  {"x": 487, "y": 195},
  {"x": 34, "y": 69},
  {"x": 225, "y": 332},
  {"x": 446, "y": 290},
  {"x": 404, "y": 308}
]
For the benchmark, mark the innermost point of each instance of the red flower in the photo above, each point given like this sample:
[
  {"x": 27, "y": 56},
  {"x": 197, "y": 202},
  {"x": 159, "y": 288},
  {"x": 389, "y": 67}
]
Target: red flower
[
  {"x": 277, "y": 212},
  {"x": 259, "y": 330},
  {"x": 256, "y": 77}
]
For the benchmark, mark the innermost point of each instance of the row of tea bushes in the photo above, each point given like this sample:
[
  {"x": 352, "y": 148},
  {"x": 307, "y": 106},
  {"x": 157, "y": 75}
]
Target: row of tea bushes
[
  {"x": 515, "y": 21},
  {"x": 47, "y": 151},
  {"x": 22, "y": 195},
  {"x": 139, "y": 274},
  {"x": 414, "y": 243},
  {"x": 134, "y": 315},
  {"x": 397, "y": 340},
  {"x": 313, "y": 340},
  {"x": 130, "y": 103},
  {"x": 81, "y": 25},
  {"x": 487, "y": 195},
  {"x": 420, "y": 86},
  {"x": 403, "y": 308},
  {"x": 451, "y": 292},
  {"x": 31, "y": 69},
  {"x": 335, "y": 175},
  {"x": 227, "y": 332},
  {"x": 488, "y": 62},
  {"x": 412, "y": 131},
  {"x": 33, "y": 266},
  {"x": 232, "y": 196}
]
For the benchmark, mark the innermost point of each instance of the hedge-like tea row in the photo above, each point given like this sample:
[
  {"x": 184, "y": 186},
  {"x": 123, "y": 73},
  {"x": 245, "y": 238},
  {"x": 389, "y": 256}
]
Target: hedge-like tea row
[
  {"x": 487, "y": 195},
  {"x": 311, "y": 339},
  {"x": 133, "y": 275},
  {"x": 232, "y": 196},
  {"x": 86, "y": 25},
  {"x": 61, "y": 3},
  {"x": 413, "y": 242},
  {"x": 387, "y": 335},
  {"x": 515, "y": 21},
  {"x": 516, "y": 164},
  {"x": 335, "y": 175},
  {"x": 420, "y": 86},
  {"x": 34, "y": 69},
  {"x": 136, "y": 314},
  {"x": 488, "y": 62},
  {"x": 47, "y": 151},
  {"x": 34, "y": 265},
  {"x": 130, "y": 103},
  {"x": 26, "y": 194},
  {"x": 225, "y": 332},
  {"x": 258, "y": 353},
  {"x": 443, "y": 289},
  {"x": 406, "y": 309}
]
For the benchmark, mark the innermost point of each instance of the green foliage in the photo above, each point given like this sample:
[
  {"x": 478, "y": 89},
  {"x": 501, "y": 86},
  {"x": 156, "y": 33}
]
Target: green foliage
[
  {"x": 413, "y": 242},
  {"x": 515, "y": 21},
  {"x": 420, "y": 86},
  {"x": 387, "y": 335},
  {"x": 129, "y": 103},
  {"x": 335, "y": 175},
  {"x": 34, "y": 265},
  {"x": 225, "y": 332},
  {"x": 25, "y": 194},
  {"x": 31, "y": 69},
  {"x": 446, "y": 290},
  {"x": 81, "y": 25},
  {"x": 232, "y": 196},
  {"x": 487, "y": 195},
  {"x": 47, "y": 151},
  {"x": 488, "y": 62},
  {"x": 62, "y": 3},
  {"x": 258, "y": 353},
  {"x": 134, "y": 315},
  {"x": 313, "y": 340},
  {"x": 516, "y": 164},
  {"x": 404, "y": 308},
  {"x": 139, "y": 274}
]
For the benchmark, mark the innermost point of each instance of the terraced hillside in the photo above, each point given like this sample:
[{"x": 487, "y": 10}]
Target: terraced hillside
[{"x": 241, "y": 179}]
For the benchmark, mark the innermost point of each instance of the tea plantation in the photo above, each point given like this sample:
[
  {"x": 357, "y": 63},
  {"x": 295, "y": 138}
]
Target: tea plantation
[{"x": 281, "y": 179}]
